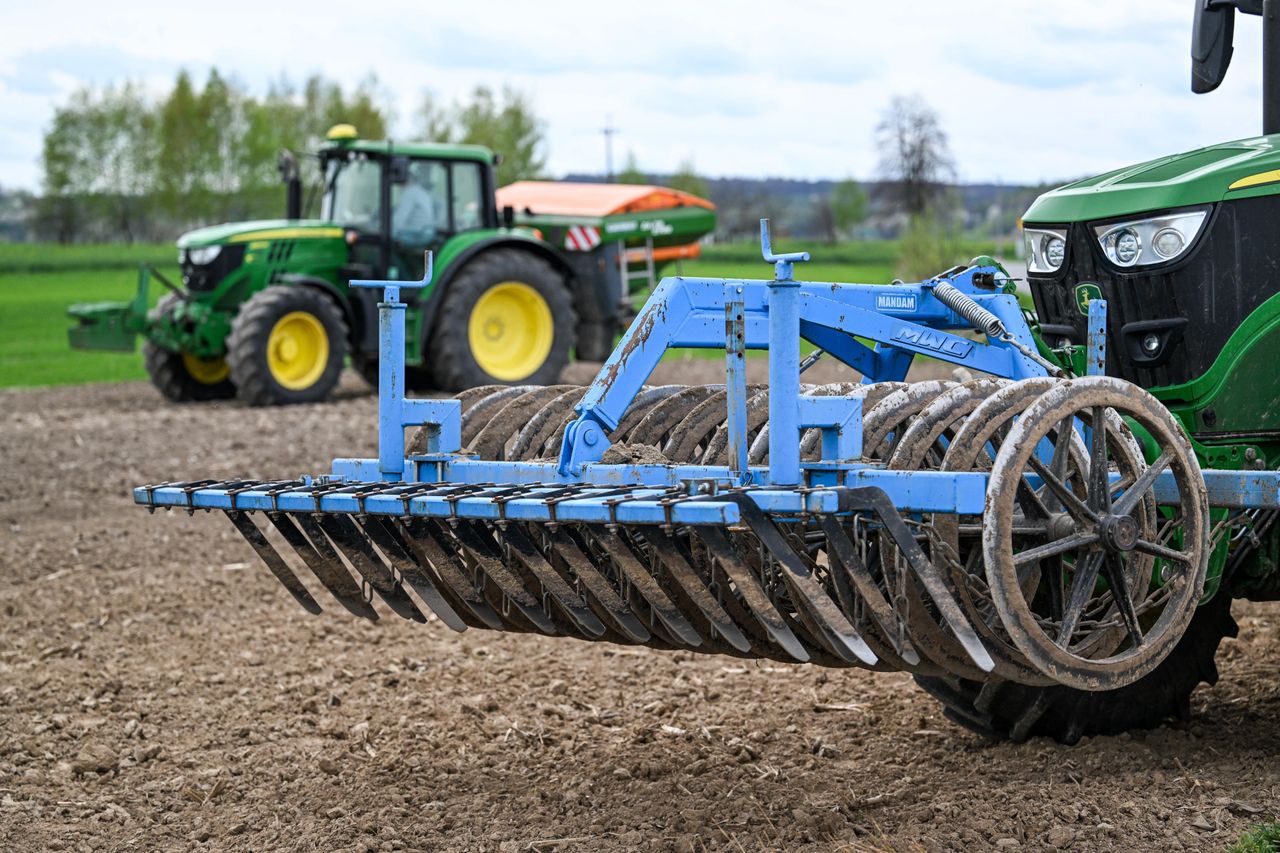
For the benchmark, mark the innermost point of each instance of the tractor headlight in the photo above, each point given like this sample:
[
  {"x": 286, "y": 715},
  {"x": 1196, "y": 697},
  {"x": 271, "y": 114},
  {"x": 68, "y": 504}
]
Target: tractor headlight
[
  {"x": 205, "y": 255},
  {"x": 1157, "y": 240},
  {"x": 1046, "y": 248}
]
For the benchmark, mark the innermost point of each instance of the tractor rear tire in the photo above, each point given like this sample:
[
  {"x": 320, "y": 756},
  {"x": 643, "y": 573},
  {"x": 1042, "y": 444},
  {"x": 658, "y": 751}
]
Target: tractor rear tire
[
  {"x": 182, "y": 377},
  {"x": 507, "y": 319},
  {"x": 1016, "y": 712},
  {"x": 287, "y": 345}
]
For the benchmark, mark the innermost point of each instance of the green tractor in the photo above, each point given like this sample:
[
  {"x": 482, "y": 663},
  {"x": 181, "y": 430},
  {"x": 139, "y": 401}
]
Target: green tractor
[
  {"x": 263, "y": 310},
  {"x": 1185, "y": 252}
]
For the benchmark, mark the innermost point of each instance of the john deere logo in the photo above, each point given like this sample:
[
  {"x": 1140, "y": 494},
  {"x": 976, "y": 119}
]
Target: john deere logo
[{"x": 1086, "y": 292}]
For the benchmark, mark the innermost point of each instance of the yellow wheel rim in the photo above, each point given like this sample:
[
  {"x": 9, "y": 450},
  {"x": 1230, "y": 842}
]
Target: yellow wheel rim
[
  {"x": 297, "y": 350},
  {"x": 206, "y": 371},
  {"x": 510, "y": 331}
]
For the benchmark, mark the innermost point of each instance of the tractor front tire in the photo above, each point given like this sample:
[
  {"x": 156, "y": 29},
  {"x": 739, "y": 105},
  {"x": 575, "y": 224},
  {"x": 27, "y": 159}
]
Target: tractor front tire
[
  {"x": 506, "y": 319},
  {"x": 287, "y": 345},
  {"x": 1016, "y": 712},
  {"x": 182, "y": 377}
]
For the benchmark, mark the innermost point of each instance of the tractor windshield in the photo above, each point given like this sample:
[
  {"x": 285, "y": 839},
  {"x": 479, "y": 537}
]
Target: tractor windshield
[{"x": 353, "y": 193}]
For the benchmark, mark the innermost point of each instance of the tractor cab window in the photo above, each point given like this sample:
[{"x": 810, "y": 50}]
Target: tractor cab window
[
  {"x": 353, "y": 193},
  {"x": 468, "y": 197},
  {"x": 420, "y": 206}
]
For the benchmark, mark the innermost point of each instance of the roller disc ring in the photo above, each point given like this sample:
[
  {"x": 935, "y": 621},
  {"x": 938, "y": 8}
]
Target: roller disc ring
[{"x": 1107, "y": 543}]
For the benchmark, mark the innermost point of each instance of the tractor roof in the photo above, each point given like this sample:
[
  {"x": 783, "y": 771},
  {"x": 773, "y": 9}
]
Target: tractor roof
[{"x": 435, "y": 150}]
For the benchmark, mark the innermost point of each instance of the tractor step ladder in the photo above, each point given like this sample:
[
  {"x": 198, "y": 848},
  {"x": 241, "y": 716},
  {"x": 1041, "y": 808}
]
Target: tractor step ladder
[{"x": 639, "y": 255}]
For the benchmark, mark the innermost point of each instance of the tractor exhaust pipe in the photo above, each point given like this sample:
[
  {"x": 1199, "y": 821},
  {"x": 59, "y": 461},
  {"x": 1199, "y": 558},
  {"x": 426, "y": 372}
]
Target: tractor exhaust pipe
[{"x": 288, "y": 166}]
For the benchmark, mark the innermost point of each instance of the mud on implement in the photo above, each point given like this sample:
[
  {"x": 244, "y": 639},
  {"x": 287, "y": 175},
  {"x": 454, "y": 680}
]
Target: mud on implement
[{"x": 1030, "y": 531}]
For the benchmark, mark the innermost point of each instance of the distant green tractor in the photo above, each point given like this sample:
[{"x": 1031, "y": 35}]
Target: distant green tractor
[{"x": 264, "y": 312}]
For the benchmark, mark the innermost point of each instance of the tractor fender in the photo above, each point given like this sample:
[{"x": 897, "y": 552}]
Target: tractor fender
[
  {"x": 538, "y": 248},
  {"x": 360, "y": 313}
]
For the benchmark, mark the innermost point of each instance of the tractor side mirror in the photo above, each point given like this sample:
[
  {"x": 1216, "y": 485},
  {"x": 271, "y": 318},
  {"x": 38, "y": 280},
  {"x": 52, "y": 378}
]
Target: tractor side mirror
[
  {"x": 287, "y": 165},
  {"x": 1211, "y": 49},
  {"x": 508, "y": 216},
  {"x": 399, "y": 170}
]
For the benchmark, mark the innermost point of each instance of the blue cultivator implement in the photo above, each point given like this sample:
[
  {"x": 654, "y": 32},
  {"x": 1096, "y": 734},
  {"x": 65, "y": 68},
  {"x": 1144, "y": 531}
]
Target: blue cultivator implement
[{"x": 1026, "y": 528}]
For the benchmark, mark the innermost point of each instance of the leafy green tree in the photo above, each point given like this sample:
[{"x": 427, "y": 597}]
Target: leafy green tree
[
  {"x": 183, "y": 193},
  {"x": 98, "y": 164},
  {"x": 687, "y": 180},
  {"x": 118, "y": 165},
  {"x": 631, "y": 173},
  {"x": 929, "y": 245},
  {"x": 848, "y": 205},
  {"x": 221, "y": 109},
  {"x": 506, "y": 123}
]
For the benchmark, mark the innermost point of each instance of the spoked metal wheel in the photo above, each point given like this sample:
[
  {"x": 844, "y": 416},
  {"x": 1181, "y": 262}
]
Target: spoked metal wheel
[{"x": 1094, "y": 583}]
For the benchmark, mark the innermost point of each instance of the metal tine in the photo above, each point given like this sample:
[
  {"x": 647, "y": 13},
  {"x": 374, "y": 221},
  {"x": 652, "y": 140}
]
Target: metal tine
[
  {"x": 491, "y": 563},
  {"x": 757, "y": 600},
  {"x": 543, "y": 573},
  {"x": 800, "y": 623},
  {"x": 875, "y": 500},
  {"x": 273, "y": 560},
  {"x": 663, "y": 608},
  {"x": 353, "y": 544},
  {"x": 693, "y": 586},
  {"x": 659, "y": 636},
  {"x": 423, "y": 544},
  {"x": 847, "y": 566},
  {"x": 388, "y": 541},
  {"x": 813, "y": 604},
  {"x": 328, "y": 570},
  {"x": 598, "y": 587}
]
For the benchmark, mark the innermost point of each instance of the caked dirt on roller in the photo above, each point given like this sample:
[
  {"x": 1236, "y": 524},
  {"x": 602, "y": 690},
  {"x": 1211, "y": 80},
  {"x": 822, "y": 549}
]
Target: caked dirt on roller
[{"x": 159, "y": 690}]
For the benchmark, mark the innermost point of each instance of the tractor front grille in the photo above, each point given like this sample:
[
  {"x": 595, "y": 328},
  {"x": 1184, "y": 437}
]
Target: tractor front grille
[
  {"x": 1192, "y": 305},
  {"x": 204, "y": 278}
]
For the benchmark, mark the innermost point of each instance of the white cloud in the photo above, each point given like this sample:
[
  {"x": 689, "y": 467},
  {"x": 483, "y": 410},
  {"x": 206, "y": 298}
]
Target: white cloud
[{"x": 1027, "y": 91}]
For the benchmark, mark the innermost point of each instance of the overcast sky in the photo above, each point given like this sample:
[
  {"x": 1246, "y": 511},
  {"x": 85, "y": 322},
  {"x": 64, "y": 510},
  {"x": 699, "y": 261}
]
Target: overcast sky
[{"x": 1028, "y": 91}]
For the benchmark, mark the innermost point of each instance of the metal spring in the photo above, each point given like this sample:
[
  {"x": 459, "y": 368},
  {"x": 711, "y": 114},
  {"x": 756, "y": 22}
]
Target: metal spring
[{"x": 960, "y": 303}]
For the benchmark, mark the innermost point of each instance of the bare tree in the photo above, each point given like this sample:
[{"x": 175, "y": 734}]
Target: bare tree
[{"x": 915, "y": 162}]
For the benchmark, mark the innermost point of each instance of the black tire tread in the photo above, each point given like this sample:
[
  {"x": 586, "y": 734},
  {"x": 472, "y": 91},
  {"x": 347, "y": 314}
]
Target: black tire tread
[
  {"x": 251, "y": 328},
  {"x": 170, "y": 375},
  {"x": 452, "y": 366},
  {"x": 1017, "y": 712}
]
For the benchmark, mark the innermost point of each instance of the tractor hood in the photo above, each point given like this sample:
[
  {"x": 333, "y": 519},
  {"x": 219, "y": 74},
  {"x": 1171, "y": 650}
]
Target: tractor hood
[
  {"x": 1241, "y": 169},
  {"x": 265, "y": 229}
]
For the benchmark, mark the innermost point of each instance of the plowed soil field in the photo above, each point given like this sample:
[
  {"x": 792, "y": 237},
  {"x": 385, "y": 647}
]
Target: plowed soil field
[{"x": 159, "y": 690}]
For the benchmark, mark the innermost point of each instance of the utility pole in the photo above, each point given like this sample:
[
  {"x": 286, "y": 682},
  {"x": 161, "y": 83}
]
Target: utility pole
[{"x": 608, "y": 130}]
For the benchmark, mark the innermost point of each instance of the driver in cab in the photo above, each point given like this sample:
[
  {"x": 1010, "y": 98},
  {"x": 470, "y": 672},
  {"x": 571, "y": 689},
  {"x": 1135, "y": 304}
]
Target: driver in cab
[{"x": 416, "y": 214}]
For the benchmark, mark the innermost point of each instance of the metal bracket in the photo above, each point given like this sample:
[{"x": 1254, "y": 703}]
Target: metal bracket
[
  {"x": 1096, "y": 360},
  {"x": 784, "y": 264},
  {"x": 442, "y": 418}
]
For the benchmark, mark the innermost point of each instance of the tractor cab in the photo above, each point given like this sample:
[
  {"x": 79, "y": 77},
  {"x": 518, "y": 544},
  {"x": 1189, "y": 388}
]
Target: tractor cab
[{"x": 396, "y": 202}]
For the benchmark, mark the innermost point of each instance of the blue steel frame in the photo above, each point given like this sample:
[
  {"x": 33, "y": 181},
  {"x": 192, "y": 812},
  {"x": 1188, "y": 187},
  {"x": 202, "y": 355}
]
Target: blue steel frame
[{"x": 903, "y": 320}]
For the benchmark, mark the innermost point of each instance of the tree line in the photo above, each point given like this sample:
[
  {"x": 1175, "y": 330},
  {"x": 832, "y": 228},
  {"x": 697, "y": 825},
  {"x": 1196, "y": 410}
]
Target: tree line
[
  {"x": 119, "y": 165},
  {"x": 122, "y": 166}
]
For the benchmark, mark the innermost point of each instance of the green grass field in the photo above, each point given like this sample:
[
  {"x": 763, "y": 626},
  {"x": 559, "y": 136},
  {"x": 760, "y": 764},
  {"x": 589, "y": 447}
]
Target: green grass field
[
  {"x": 38, "y": 282},
  {"x": 1263, "y": 838},
  {"x": 34, "y": 323},
  {"x": 44, "y": 257}
]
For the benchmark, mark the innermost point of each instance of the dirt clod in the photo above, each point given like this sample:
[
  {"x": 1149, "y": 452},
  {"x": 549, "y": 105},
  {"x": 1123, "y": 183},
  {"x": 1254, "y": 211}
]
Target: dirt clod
[
  {"x": 95, "y": 758},
  {"x": 634, "y": 454}
]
